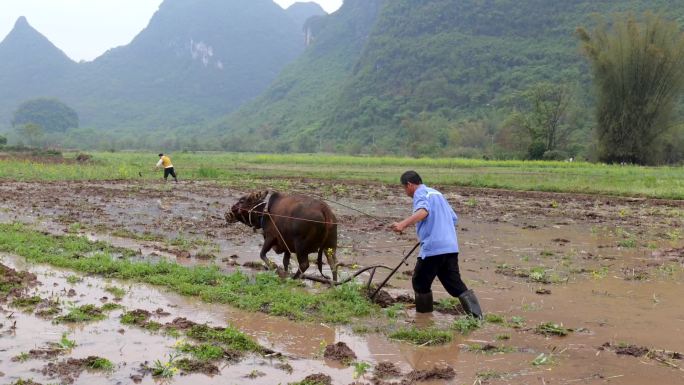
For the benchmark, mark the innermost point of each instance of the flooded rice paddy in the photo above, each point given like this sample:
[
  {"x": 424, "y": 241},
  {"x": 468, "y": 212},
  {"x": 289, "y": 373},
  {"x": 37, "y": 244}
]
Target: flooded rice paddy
[{"x": 605, "y": 271}]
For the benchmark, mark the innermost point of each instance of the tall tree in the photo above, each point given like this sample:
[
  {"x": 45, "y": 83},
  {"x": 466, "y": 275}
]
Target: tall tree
[
  {"x": 638, "y": 69},
  {"x": 33, "y": 133},
  {"x": 540, "y": 118},
  {"x": 50, "y": 114}
]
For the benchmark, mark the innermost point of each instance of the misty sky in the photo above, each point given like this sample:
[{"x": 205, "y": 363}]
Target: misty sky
[{"x": 85, "y": 29}]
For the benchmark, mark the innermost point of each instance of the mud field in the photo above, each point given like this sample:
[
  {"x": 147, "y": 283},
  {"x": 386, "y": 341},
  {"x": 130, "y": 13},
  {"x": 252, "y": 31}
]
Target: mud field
[{"x": 578, "y": 289}]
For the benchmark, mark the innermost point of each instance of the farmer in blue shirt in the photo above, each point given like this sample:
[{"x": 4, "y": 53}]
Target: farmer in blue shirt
[{"x": 436, "y": 228}]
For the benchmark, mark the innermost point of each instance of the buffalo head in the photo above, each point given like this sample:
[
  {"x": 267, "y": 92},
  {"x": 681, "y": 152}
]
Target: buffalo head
[{"x": 244, "y": 205}]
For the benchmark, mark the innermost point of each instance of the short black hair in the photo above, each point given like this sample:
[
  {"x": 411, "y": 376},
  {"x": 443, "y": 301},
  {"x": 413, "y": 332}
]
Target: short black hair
[
  {"x": 160, "y": 154},
  {"x": 410, "y": 177}
]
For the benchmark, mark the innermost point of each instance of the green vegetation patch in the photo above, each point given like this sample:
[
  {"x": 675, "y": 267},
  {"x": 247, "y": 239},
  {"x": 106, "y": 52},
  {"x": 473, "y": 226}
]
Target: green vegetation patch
[
  {"x": 204, "y": 351},
  {"x": 229, "y": 337},
  {"x": 264, "y": 292},
  {"x": 466, "y": 324},
  {"x": 24, "y": 382},
  {"x": 117, "y": 292},
  {"x": 85, "y": 313},
  {"x": 26, "y": 303},
  {"x": 422, "y": 337},
  {"x": 489, "y": 348},
  {"x": 99, "y": 363},
  {"x": 552, "y": 329}
]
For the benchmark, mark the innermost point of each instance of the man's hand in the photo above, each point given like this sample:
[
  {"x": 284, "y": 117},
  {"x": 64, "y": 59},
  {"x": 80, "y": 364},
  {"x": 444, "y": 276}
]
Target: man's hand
[
  {"x": 418, "y": 216},
  {"x": 398, "y": 227}
]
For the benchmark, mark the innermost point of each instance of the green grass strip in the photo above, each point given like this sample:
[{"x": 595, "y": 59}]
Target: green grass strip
[
  {"x": 263, "y": 292},
  {"x": 246, "y": 171}
]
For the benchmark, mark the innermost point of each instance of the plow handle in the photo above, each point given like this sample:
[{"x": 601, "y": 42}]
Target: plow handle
[{"x": 394, "y": 271}]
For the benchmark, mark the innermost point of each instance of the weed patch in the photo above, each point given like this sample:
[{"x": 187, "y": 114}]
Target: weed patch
[
  {"x": 422, "y": 337},
  {"x": 552, "y": 329},
  {"x": 466, "y": 324}
]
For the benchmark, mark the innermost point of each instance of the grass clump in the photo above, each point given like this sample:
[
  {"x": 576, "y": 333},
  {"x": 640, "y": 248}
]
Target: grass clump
[
  {"x": 21, "y": 357},
  {"x": 422, "y": 337},
  {"x": 487, "y": 375},
  {"x": 550, "y": 328},
  {"x": 446, "y": 304},
  {"x": 99, "y": 363},
  {"x": 73, "y": 279},
  {"x": 165, "y": 369},
  {"x": 26, "y": 303},
  {"x": 229, "y": 337},
  {"x": 489, "y": 349},
  {"x": 494, "y": 318},
  {"x": 117, "y": 292},
  {"x": 24, "y": 382},
  {"x": 516, "y": 322},
  {"x": 466, "y": 324},
  {"x": 65, "y": 343},
  {"x": 85, "y": 313},
  {"x": 202, "y": 352}
]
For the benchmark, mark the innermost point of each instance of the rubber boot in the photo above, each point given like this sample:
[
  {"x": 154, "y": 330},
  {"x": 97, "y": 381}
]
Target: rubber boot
[
  {"x": 424, "y": 302},
  {"x": 470, "y": 304}
]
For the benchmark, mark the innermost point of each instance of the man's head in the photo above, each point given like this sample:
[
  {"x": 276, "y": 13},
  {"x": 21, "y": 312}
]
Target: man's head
[
  {"x": 410, "y": 180},
  {"x": 160, "y": 154}
]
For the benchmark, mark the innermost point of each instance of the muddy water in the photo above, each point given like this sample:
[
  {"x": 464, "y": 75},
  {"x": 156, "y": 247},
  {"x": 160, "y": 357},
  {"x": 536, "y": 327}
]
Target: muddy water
[{"x": 612, "y": 281}]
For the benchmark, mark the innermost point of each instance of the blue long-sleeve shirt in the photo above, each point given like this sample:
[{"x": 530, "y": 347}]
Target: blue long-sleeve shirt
[{"x": 437, "y": 232}]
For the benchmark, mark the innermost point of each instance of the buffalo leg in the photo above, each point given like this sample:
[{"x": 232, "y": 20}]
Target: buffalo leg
[
  {"x": 268, "y": 243},
  {"x": 286, "y": 262},
  {"x": 302, "y": 260}
]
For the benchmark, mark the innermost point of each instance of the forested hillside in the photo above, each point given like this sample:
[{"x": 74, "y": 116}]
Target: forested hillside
[
  {"x": 196, "y": 60},
  {"x": 287, "y": 116},
  {"x": 30, "y": 65},
  {"x": 424, "y": 69}
]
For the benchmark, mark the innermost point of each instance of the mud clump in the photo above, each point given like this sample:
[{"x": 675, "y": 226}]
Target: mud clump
[
  {"x": 437, "y": 373},
  {"x": 14, "y": 282},
  {"x": 180, "y": 323},
  {"x": 160, "y": 312},
  {"x": 386, "y": 369},
  {"x": 137, "y": 317},
  {"x": 317, "y": 379},
  {"x": 384, "y": 299},
  {"x": 70, "y": 369},
  {"x": 45, "y": 353},
  {"x": 339, "y": 352},
  {"x": 195, "y": 366},
  {"x": 254, "y": 266},
  {"x": 629, "y": 350},
  {"x": 404, "y": 298}
]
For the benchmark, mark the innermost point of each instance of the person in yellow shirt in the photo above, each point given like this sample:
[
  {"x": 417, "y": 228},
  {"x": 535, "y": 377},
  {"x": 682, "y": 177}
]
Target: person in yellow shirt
[{"x": 165, "y": 161}]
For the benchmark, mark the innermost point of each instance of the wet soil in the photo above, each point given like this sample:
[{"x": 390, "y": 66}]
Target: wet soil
[
  {"x": 339, "y": 352},
  {"x": 610, "y": 269}
]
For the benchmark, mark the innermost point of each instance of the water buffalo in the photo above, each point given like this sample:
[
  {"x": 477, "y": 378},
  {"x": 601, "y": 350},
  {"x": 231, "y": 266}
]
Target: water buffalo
[{"x": 291, "y": 224}]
